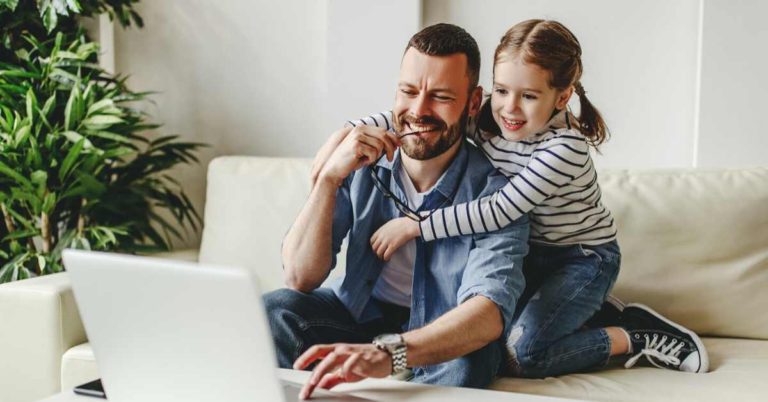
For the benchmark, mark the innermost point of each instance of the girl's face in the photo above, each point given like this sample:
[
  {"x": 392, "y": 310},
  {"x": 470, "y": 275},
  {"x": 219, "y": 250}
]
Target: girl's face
[{"x": 522, "y": 100}]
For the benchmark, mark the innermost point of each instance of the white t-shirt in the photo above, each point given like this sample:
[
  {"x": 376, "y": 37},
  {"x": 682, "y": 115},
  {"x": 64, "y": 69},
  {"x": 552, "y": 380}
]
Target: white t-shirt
[{"x": 395, "y": 282}]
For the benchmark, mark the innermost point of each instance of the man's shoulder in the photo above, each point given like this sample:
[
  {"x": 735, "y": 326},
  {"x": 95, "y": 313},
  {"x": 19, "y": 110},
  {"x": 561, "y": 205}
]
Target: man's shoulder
[
  {"x": 476, "y": 159},
  {"x": 480, "y": 172}
]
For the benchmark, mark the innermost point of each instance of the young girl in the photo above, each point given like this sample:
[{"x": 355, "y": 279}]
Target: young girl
[{"x": 527, "y": 132}]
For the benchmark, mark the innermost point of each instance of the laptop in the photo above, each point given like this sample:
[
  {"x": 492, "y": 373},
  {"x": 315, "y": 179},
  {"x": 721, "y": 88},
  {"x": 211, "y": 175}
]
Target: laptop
[{"x": 165, "y": 330}]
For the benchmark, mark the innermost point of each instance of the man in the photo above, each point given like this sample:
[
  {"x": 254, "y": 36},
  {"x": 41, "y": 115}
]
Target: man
[{"x": 443, "y": 307}]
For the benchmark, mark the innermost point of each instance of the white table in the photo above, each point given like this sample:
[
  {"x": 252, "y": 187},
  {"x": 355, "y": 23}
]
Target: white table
[{"x": 382, "y": 390}]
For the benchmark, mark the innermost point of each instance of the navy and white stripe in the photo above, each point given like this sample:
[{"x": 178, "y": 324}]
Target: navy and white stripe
[{"x": 551, "y": 176}]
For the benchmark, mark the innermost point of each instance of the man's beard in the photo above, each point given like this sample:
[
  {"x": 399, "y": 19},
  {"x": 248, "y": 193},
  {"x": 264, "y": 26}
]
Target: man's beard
[{"x": 420, "y": 149}]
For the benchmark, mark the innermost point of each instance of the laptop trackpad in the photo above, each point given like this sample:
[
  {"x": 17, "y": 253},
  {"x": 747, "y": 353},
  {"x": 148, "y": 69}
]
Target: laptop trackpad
[{"x": 292, "y": 389}]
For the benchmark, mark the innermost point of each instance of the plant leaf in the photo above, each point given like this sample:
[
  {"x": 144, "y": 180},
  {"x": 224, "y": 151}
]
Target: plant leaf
[
  {"x": 6, "y": 170},
  {"x": 70, "y": 111},
  {"x": 10, "y": 4},
  {"x": 71, "y": 157}
]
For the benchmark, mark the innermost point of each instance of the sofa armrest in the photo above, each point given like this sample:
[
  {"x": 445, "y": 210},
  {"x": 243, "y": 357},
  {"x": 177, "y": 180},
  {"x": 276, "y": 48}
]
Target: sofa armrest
[{"x": 39, "y": 321}]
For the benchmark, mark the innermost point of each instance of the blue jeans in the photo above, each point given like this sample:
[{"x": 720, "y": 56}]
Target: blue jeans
[
  {"x": 565, "y": 286},
  {"x": 300, "y": 320}
]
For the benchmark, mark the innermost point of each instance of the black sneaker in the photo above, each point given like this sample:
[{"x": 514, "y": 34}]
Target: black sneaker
[
  {"x": 664, "y": 343},
  {"x": 609, "y": 314}
]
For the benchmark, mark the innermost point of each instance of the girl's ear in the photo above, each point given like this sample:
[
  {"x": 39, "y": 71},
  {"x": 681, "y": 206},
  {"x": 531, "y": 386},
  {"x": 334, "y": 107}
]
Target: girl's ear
[
  {"x": 563, "y": 98},
  {"x": 475, "y": 101}
]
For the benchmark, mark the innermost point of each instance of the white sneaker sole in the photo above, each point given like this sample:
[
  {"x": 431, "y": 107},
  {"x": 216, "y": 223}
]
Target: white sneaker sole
[
  {"x": 703, "y": 356},
  {"x": 615, "y": 302}
]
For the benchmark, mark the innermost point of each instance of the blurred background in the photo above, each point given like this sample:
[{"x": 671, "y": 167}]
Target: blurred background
[{"x": 681, "y": 83}]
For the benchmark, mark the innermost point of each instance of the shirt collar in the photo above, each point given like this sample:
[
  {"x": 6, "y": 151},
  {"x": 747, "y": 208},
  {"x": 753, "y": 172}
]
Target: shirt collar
[
  {"x": 562, "y": 119},
  {"x": 448, "y": 182}
]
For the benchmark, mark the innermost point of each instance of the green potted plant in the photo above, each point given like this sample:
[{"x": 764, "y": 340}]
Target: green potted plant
[{"x": 79, "y": 166}]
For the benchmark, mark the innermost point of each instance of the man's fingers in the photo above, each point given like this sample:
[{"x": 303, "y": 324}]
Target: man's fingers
[
  {"x": 376, "y": 136},
  {"x": 331, "y": 380},
  {"x": 354, "y": 368},
  {"x": 314, "y": 353},
  {"x": 367, "y": 153},
  {"x": 329, "y": 364}
]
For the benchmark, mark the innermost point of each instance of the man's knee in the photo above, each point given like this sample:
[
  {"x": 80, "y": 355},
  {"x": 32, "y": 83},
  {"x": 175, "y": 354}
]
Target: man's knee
[{"x": 282, "y": 299}]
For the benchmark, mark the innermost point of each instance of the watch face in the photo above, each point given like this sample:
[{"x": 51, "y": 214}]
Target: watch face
[{"x": 389, "y": 338}]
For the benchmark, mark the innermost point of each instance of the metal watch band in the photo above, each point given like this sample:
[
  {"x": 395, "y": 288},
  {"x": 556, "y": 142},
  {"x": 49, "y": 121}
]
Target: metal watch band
[
  {"x": 397, "y": 350},
  {"x": 399, "y": 360}
]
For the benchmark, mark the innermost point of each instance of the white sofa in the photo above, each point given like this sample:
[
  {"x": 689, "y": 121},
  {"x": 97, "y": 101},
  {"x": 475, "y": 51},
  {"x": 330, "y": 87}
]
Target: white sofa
[{"x": 694, "y": 243}]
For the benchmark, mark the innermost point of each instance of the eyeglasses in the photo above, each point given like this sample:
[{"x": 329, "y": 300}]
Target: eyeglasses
[{"x": 399, "y": 204}]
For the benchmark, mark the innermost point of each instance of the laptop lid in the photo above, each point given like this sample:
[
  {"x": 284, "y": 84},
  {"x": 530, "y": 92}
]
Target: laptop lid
[{"x": 164, "y": 330}]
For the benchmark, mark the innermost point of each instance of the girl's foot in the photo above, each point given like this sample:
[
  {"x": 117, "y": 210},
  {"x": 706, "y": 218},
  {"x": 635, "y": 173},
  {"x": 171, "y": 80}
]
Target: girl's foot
[{"x": 662, "y": 342}]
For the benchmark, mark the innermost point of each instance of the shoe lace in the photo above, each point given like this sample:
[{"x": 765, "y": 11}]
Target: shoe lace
[{"x": 658, "y": 349}]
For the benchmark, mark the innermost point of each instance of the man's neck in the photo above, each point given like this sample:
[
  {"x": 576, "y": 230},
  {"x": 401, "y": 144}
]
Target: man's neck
[{"x": 425, "y": 174}]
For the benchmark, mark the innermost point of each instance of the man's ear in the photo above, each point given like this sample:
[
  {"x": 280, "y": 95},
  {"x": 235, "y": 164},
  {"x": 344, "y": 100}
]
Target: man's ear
[
  {"x": 563, "y": 98},
  {"x": 475, "y": 100}
]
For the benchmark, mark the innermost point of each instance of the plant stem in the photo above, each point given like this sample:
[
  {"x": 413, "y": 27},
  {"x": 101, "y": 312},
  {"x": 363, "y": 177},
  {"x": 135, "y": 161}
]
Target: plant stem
[
  {"x": 81, "y": 218},
  {"x": 45, "y": 228},
  {"x": 8, "y": 220}
]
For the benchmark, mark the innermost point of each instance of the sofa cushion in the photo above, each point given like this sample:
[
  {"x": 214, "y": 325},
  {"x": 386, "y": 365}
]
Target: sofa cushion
[
  {"x": 250, "y": 205},
  {"x": 78, "y": 366},
  {"x": 694, "y": 245},
  {"x": 739, "y": 368}
]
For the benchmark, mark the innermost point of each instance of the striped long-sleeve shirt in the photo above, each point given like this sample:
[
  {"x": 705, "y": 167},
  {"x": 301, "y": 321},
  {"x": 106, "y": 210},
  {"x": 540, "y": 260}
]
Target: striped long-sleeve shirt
[{"x": 551, "y": 175}]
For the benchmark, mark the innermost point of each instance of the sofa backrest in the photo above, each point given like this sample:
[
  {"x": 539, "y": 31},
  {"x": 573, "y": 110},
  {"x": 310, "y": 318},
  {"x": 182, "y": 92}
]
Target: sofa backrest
[
  {"x": 250, "y": 204},
  {"x": 694, "y": 243}
]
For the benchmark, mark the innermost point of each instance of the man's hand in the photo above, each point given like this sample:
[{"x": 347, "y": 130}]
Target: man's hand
[
  {"x": 326, "y": 150},
  {"x": 342, "y": 362},
  {"x": 362, "y": 146},
  {"x": 392, "y": 236}
]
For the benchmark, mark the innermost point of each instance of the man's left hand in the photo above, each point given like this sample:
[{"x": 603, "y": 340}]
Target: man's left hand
[{"x": 342, "y": 362}]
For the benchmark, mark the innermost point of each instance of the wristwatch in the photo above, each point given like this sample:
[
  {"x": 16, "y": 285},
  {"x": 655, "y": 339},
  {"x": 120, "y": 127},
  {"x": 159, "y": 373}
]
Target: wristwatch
[{"x": 394, "y": 345}]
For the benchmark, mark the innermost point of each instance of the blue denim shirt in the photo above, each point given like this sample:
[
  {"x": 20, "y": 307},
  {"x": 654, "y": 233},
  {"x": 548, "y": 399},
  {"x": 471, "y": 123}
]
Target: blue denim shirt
[{"x": 446, "y": 271}]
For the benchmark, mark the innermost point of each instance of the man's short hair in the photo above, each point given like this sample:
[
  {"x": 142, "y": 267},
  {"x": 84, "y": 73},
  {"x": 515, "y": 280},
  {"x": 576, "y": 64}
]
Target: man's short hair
[{"x": 447, "y": 39}]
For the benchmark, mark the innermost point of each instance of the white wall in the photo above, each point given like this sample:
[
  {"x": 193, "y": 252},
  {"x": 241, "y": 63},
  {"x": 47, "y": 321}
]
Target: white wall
[
  {"x": 639, "y": 66},
  {"x": 274, "y": 78},
  {"x": 734, "y": 85}
]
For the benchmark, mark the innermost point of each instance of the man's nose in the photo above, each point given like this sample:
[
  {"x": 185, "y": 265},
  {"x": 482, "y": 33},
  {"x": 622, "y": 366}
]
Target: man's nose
[{"x": 420, "y": 106}]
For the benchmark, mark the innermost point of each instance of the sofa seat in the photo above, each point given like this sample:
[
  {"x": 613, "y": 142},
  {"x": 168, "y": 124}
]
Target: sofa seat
[{"x": 739, "y": 372}]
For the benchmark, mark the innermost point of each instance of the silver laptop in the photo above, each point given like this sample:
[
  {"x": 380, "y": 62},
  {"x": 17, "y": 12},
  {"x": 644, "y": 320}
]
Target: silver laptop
[{"x": 164, "y": 330}]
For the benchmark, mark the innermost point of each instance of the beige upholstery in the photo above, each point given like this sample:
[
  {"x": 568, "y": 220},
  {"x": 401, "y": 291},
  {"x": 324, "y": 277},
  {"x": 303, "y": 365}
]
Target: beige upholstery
[
  {"x": 695, "y": 247},
  {"x": 739, "y": 375},
  {"x": 38, "y": 323},
  {"x": 739, "y": 372},
  {"x": 250, "y": 205}
]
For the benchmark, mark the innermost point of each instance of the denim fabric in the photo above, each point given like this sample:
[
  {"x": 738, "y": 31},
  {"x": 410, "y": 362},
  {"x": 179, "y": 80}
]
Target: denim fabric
[
  {"x": 566, "y": 285},
  {"x": 299, "y": 320},
  {"x": 446, "y": 272}
]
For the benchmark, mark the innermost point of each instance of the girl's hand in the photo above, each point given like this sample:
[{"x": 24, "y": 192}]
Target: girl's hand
[
  {"x": 326, "y": 150},
  {"x": 393, "y": 235}
]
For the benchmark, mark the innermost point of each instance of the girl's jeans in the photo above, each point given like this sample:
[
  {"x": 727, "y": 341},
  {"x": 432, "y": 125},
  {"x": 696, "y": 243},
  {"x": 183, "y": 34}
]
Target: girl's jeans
[{"x": 565, "y": 286}]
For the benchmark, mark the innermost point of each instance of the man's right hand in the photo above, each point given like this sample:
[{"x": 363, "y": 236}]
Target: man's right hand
[{"x": 362, "y": 146}]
